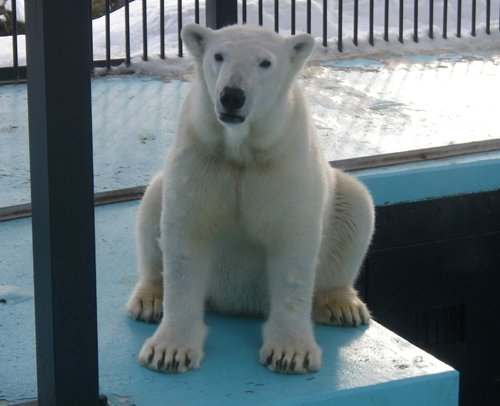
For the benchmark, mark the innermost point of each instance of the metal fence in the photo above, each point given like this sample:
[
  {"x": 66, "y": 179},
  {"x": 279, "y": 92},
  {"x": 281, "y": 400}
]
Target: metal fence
[{"x": 437, "y": 16}]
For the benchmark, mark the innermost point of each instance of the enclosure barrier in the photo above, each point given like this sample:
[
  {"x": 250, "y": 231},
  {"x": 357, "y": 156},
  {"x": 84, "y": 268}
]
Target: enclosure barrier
[{"x": 228, "y": 11}]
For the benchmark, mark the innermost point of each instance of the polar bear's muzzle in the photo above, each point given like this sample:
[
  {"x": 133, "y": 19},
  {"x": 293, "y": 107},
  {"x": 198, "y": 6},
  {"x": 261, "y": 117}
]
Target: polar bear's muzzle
[{"x": 232, "y": 100}]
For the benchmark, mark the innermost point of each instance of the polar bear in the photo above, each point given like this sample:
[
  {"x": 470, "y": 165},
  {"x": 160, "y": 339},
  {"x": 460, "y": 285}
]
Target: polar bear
[{"x": 247, "y": 216}]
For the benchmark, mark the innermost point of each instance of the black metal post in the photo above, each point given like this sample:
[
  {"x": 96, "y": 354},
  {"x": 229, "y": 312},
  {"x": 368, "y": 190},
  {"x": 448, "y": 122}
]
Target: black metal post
[
  {"x": 445, "y": 19},
  {"x": 415, "y": 21},
  {"x": 15, "y": 58},
  {"x": 308, "y": 16},
  {"x": 144, "y": 30},
  {"x": 401, "y": 20},
  {"x": 325, "y": 21},
  {"x": 386, "y": 21},
  {"x": 261, "y": 12},
  {"x": 488, "y": 16},
  {"x": 473, "y": 18},
  {"x": 355, "y": 23},
  {"x": 276, "y": 16},
  {"x": 220, "y": 13},
  {"x": 127, "y": 32},
  {"x": 108, "y": 33},
  {"x": 180, "y": 52},
  {"x": 371, "y": 40},
  {"x": 62, "y": 201},
  {"x": 340, "y": 24},
  {"x": 459, "y": 18},
  {"x": 162, "y": 29},
  {"x": 431, "y": 19}
]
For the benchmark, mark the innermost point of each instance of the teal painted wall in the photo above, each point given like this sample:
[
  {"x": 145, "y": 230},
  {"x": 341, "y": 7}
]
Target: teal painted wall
[{"x": 432, "y": 179}]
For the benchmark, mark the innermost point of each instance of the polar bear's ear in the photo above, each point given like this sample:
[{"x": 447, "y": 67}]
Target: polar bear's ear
[
  {"x": 195, "y": 37},
  {"x": 300, "y": 46}
]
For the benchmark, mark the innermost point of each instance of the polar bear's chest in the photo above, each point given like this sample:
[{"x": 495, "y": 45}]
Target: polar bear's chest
[{"x": 237, "y": 148}]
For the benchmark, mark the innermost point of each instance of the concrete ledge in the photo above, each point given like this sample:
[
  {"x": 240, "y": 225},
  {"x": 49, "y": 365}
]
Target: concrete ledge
[{"x": 363, "y": 366}]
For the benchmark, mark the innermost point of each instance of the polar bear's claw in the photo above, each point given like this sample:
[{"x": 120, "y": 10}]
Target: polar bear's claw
[{"x": 340, "y": 307}]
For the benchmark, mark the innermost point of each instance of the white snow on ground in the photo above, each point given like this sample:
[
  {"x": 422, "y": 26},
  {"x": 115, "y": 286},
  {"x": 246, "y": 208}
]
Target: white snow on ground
[
  {"x": 367, "y": 107},
  {"x": 117, "y": 28}
]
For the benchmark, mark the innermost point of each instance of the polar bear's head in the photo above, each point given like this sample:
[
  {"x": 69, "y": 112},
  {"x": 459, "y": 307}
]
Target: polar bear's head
[{"x": 246, "y": 70}]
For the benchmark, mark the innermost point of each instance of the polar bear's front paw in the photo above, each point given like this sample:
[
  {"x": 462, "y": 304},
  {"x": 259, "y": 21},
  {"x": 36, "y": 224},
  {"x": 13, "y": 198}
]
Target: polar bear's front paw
[
  {"x": 167, "y": 352},
  {"x": 290, "y": 353},
  {"x": 146, "y": 302},
  {"x": 340, "y": 307}
]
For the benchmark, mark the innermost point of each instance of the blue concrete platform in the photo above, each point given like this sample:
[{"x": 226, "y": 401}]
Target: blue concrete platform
[{"x": 363, "y": 366}]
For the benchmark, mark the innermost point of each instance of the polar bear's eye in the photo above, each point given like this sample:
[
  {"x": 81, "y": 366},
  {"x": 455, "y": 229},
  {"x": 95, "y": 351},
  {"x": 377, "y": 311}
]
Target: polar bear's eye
[
  {"x": 218, "y": 57},
  {"x": 265, "y": 63}
]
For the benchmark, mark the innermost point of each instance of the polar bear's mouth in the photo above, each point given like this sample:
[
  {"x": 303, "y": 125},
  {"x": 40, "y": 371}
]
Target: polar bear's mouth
[{"x": 231, "y": 118}]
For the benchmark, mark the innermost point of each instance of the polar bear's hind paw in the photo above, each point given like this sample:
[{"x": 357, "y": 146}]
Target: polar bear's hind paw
[
  {"x": 340, "y": 307},
  {"x": 146, "y": 302}
]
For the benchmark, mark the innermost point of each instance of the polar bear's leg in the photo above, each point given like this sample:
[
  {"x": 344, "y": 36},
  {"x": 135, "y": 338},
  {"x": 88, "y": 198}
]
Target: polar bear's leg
[
  {"x": 289, "y": 344},
  {"x": 146, "y": 301},
  {"x": 346, "y": 238},
  {"x": 177, "y": 344}
]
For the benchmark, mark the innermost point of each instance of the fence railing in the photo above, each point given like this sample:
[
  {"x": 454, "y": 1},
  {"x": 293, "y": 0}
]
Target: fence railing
[{"x": 339, "y": 22}]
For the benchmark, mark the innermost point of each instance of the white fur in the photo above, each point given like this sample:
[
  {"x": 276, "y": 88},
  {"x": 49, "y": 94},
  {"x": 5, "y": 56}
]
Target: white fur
[{"x": 249, "y": 217}]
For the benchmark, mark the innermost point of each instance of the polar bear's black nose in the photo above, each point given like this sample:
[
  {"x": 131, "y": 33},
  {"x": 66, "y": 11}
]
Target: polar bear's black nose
[{"x": 232, "y": 98}]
